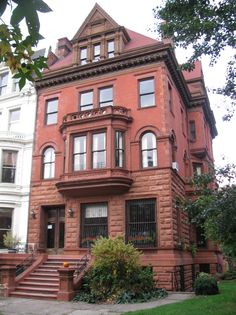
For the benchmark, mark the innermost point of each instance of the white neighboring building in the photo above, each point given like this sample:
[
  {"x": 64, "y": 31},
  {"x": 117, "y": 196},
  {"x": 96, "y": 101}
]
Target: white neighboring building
[{"x": 17, "y": 120}]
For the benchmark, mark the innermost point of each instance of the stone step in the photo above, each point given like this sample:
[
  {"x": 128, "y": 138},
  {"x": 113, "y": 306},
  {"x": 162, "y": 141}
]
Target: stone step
[
  {"x": 44, "y": 274},
  {"x": 40, "y": 296},
  {"x": 23, "y": 288},
  {"x": 45, "y": 279},
  {"x": 38, "y": 284}
]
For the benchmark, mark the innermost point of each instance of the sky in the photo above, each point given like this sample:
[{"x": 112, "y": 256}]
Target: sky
[{"x": 67, "y": 17}]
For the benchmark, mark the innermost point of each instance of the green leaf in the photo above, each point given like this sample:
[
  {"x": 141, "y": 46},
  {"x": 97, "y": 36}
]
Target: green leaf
[
  {"x": 22, "y": 82},
  {"x": 3, "y": 5},
  {"x": 41, "y": 6},
  {"x": 17, "y": 16}
]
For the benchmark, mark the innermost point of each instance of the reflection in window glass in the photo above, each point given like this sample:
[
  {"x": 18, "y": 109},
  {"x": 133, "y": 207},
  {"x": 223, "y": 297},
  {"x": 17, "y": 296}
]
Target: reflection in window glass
[
  {"x": 51, "y": 111},
  {"x": 106, "y": 97},
  {"x": 110, "y": 49},
  {"x": 83, "y": 56},
  {"x": 119, "y": 149},
  {"x": 49, "y": 163},
  {"x": 86, "y": 100},
  {"x": 96, "y": 52},
  {"x": 79, "y": 153},
  {"x": 99, "y": 150},
  {"x": 146, "y": 93},
  {"x": 149, "y": 150}
]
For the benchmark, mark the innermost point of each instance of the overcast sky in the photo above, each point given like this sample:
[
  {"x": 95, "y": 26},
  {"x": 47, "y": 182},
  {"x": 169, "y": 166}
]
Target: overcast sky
[{"x": 67, "y": 17}]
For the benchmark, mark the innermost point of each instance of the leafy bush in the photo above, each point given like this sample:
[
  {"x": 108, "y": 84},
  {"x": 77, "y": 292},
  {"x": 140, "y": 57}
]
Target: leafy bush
[
  {"x": 205, "y": 284},
  {"x": 117, "y": 275}
]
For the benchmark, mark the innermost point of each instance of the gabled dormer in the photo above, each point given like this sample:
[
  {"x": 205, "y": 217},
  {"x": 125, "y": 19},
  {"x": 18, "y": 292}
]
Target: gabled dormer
[{"x": 99, "y": 37}]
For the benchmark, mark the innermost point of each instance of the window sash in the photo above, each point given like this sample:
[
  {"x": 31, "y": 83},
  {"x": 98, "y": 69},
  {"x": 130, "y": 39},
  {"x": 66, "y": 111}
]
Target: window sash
[
  {"x": 96, "y": 52},
  {"x": 192, "y": 130},
  {"x": 83, "y": 55},
  {"x": 52, "y": 111},
  {"x": 86, "y": 100},
  {"x": 79, "y": 154},
  {"x": 99, "y": 150},
  {"x": 141, "y": 222},
  {"x": 110, "y": 49},
  {"x": 49, "y": 163},
  {"x": 146, "y": 93},
  {"x": 119, "y": 149},
  {"x": 3, "y": 83},
  {"x": 149, "y": 150},
  {"x": 9, "y": 159}
]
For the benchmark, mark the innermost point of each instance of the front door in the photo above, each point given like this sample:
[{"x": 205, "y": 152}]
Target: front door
[{"x": 55, "y": 229}]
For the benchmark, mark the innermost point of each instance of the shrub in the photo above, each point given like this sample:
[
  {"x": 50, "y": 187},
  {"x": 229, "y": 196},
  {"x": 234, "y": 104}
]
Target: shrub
[
  {"x": 229, "y": 275},
  {"x": 117, "y": 275},
  {"x": 205, "y": 284}
]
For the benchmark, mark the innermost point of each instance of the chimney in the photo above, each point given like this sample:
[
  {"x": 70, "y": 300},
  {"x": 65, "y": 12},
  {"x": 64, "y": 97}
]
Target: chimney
[{"x": 64, "y": 47}]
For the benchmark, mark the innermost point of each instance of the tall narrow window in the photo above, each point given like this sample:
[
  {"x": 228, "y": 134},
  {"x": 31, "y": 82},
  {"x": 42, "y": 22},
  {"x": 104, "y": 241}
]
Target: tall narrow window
[
  {"x": 79, "y": 153},
  {"x": 51, "y": 111},
  {"x": 94, "y": 223},
  {"x": 49, "y": 163},
  {"x": 96, "y": 52},
  {"x": 83, "y": 55},
  {"x": 5, "y": 223},
  {"x": 3, "y": 83},
  {"x": 197, "y": 169},
  {"x": 14, "y": 118},
  {"x": 106, "y": 96},
  {"x": 119, "y": 149},
  {"x": 110, "y": 48},
  {"x": 86, "y": 100},
  {"x": 9, "y": 166},
  {"x": 99, "y": 150},
  {"x": 149, "y": 150},
  {"x": 146, "y": 93},
  {"x": 141, "y": 222},
  {"x": 192, "y": 130}
]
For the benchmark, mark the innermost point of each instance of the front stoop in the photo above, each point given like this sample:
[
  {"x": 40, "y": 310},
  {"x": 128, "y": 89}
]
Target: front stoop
[{"x": 43, "y": 282}]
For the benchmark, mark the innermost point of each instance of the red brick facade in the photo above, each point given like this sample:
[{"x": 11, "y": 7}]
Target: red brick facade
[{"x": 118, "y": 188}]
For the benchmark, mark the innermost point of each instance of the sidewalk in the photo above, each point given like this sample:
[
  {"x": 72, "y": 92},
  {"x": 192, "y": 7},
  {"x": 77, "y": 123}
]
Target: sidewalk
[{"x": 17, "y": 306}]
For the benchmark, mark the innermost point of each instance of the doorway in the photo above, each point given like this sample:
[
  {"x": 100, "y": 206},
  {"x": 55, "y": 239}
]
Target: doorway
[{"x": 55, "y": 230}]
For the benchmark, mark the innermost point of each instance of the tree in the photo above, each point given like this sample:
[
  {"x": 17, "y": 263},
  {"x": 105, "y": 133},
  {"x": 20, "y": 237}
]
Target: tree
[
  {"x": 209, "y": 27},
  {"x": 16, "y": 50},
  {"x": 214, "y": 206}
]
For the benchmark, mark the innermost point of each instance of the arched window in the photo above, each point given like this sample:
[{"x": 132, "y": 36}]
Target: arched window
[
  {"x": 49, "y": 163},
  {"x": 149, "y": 150}
]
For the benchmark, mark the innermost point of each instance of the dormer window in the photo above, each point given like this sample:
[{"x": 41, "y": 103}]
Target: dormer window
[
  {"x": 96, "y": 52},
  {"x": 83, "y": 55},
  {"x": 110, "y": 48}
]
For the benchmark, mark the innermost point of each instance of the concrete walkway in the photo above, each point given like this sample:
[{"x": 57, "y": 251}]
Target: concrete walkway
[{"x": 18, "y": 306}]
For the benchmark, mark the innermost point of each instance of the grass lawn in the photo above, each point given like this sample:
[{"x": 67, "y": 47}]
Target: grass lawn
[{"x": 221, "y": 304}]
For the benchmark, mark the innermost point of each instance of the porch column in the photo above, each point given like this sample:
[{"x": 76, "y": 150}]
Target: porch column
[
  {"x": 66, "y": 291},
  {"x": 8, "y": 275}
]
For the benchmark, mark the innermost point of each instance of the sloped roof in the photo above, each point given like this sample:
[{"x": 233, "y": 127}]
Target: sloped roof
[
  {"x": 96, "y": 14},
  {"x": 138, "y": 40}
]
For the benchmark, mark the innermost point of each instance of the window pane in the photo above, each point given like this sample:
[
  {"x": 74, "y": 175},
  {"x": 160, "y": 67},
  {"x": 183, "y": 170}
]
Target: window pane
[
  {"x": 80, "y": 144},
  {"x": 99, "y": 141},
  {"x": 146, "y": 86},
  {"x": 106, "y": 97},
  {"x": 3, "y": 83},
  {"x": 110, "y": 48},
  {"x": 99, "y": 159},
  {"x": 99, "y": 150},
  {"x": 86, "y": 100},
  {"x": 14, "y": 115},
  {"x": 5, "y": 223},
  {"x": 8, "y": 166},
  {"x": 80, "y": 162},
  {"x": 52, "y": 106},
  {"x": 147, "y": 100},
  {"x": 96, "y": 52},
  {"x": 119, "y": 149}
]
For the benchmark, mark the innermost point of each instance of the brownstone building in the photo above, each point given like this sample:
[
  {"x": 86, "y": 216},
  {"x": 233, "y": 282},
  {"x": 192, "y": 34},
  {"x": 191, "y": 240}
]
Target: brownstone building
[{"x": 119, "y": 131}]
